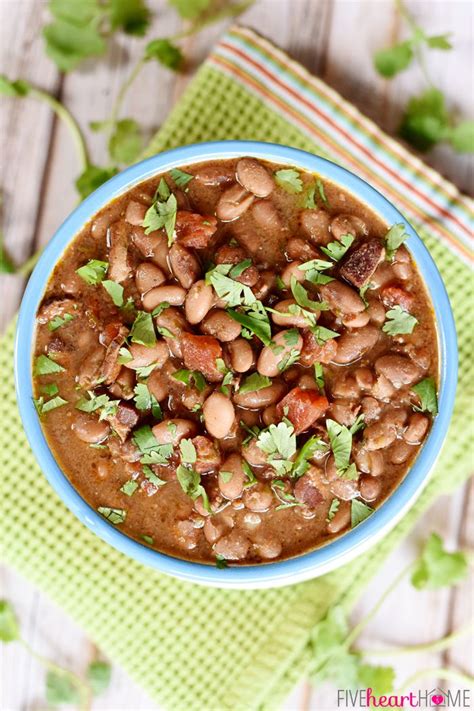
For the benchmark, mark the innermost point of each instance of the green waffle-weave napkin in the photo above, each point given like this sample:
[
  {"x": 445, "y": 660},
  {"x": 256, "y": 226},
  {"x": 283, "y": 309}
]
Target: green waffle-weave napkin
[{"x": 193, "y": 648}]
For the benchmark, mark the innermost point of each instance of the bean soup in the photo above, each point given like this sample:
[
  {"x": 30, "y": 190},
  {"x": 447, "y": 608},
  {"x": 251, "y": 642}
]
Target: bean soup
[{"x": 236, "y": 362}]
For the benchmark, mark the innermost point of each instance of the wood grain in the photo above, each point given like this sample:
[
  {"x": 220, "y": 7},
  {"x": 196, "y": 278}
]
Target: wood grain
[{"x": 334, "y": 39}]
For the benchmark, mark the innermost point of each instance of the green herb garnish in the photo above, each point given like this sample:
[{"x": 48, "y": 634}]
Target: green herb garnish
[
  {"x": 180, "y": 177},
  {"x": 129, "y": 488},
  {"x": 289, "y": 179},
  {"x": 115, "y": 291},
  {"x": 233, "y": 292},
  {"x": 399, "y": 321},
  {"x": 426, "y": 391},
  {"x": 152, "y": 451},
  {"x": 337, "y": 249},
  {"x": 93, "y": 272},
  {"x": 254, "y": 382},
  {"x": 162, "y": 213},
  {"x": 143, "y": 330},
  {"x": 255, "y": 320},
  {"x": 279, "y": 443},
  {"x": 394, "y": 238},
  {"x": 43, "y": 407},
  {"x": 60, "y": 321},
  {"x": 145, "y": 400},
  {"x": 115, "y": 516},
  {"x": 47, "y": 366},
  {"x": 333, "y": 509},
  {"x": 359, "y": 512},
  {"x": 190, "y": 377}
]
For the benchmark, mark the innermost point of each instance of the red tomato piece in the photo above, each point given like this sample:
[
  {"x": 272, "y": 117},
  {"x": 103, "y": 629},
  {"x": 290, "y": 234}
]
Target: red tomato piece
[
  {"x": 302, "y": 408},
  {"x": 396, "y": 296},
  {"x": 201, "y": 353},
  {"x": 314, "y": 353},
  {"x": 193, "y": 230}
]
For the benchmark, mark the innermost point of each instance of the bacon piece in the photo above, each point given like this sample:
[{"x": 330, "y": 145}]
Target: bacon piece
[
  {"x": 314, "y": 353},
  {"x": 396, "y": 296},
  {"x": 362, "y": 262},
  {"x": 201, "y": 353},
  {"x": 194, "y": 230},
  {"x": 124, "y": 420},
  {"x": 306, "y": 490},
  {"x": 208, "y": 456},
  {"x": 302, "y": 408}
]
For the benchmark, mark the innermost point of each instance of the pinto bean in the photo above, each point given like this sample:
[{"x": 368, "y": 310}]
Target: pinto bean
[
  {"x": 298, "y": 248},
  {"x": 101, "y": 223},
  {"x": 364, "y": 378},
  {"x": 147, "y": 276},
  {"x": 417, "y": 428},
  {"x": 402, "y": 270},
  {"x": 379, "y": 435},
  {"x": 285, "y": 318},
  {"x": 219, "y": 415},
  {"x": 174, "y": 430},
  {"x": 258, "y": 498},
  {"x": 241, "y": 355},
  {"x": 170, "y": 293},
  {"x": 307, "y": 488},
  {"x": 344, "y": 489},
  {"x": 370, "y": 462},
  {"x": 383, "y": 388},
  {"x": 371, "y": 409},
  {"x": 267, "y": 547},
  {"x": 199, "y": 300},
  {"x": 344, "y": 412},
  {"x": 376, "y": 312},
  {"x": 341, "y": 518},
  {"x": 231, "y": 477},
  {"x": 399, "y": 369},
  {"x": 153, "y": 246},
  {"x": 253, "y": 454},
  {"x": 348, "y": 225},
  {"x": 356, "y": 320},
  {"x": 314, "y": 352},
  {"x": 234, "y": 546},
  {"x": 208, "y": 455},
  {"x": 382, "y": 275},
  {"x": 124, "y": 384},
  {"x": 264, "y": 285},
  {"x": 266, "y": 216},
  {"x": 256, "y": 400},
  {"x": 269, "y": 415},
  {"x": 219, "y": 324},
  {"x": 158, "y": 385},
  {"x": 217, "y": 526},
  {"x": 352, "y": 345},
  {"x": 119, "y": 265},
  {"x": 345, "y": 387},
  {"x": 89, "y": 371},
  {"x": 146, "y": 355},
  {"x": 233, "y": 203},
  {"x": 90, "y": 429},
  {"x": 290, "y": 271},
  {"x": 316, "y": 225},
  {"x": 271, "y": 357},
  {"x": 370, "y": 488},
  {"x": 342, "y": 298},
  {"x": 213, "y": 175},
  {"x": 400, "y": 452},
  {"x": 254, "y": 177},
  {"x": 184, "y": 265},
  {"x": 135, "y": 212}
]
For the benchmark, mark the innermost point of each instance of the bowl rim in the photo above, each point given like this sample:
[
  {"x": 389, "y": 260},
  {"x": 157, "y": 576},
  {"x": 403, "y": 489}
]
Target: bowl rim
[{"x": 269, "y": 574}]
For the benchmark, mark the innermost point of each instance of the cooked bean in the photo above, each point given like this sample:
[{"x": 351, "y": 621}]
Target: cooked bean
[
  {"x": 258, "y": 498},
  {"x": 265, "y": 284},
  {"x": 123, "y": 386},
  {"x": 158, "y": 385},
  {"x": 370, "y": 462},
  {"x": 307, "y": 488},
  {"x": 216, "y": 526},
  {"x": 103, "y": 468},
  {"x": 199, "y": 300},
  {"x": 266, "y": 216},
  {"x": 382, "y": 275},
  {"x": 356, "y": 320},
  {"x": 291, "y": 271},
  {"x": 170, "y": 293},
  {"x": 345, "y": 387},
  {"x": 271, "y": 357},
  {"x": 241, "y": 355},
  {"x": 213, "y": 175},
  {"x": 344, "y": 412},
  {"x": 352, "y": 345},
  {"x": 402, "y": 270},
  {"x": 307, "y": 382},
  {"x": 269, "y": 415},
  {"x": 146, "y": 355},
  {"x": 398, "y": 369},
  {"x": 370, "y": 488},
  {"x": 417, "y": 428},
  {"x": 232, "y": 477},
  {"x": 253, "y": 454},
  {"x": 219, "y": 415},
  {"x": 257, "y": 399},
  {"x": 376, "y": 312},
  {"x": 341, "y": 519},
  {"x": 383, "y": 388},
  {"x": 347, "y": 225},
  {"x": 267, "y": 547},
  {"x": 316, "y": 225},
  {"x": 233, "y": 203},
  {"x": 184, "y": 265},
  {"x": 285, "y": 318},
  {"x": 186, "y": 534},
  {"x": 153, "y": 246},
  {"x": 342, "y": 298},
  {"x": 235, "y": 546},
  {"x": 208, "y": 455},
  {"x": 90, "y": 429},
  {"x": 174, "y": 430},
  {"x": 89, "y": 371},
  {"x": 120, "y": 267},
  {"x": 379, "y": 435},
  {"x": 371, "y": 409},
  {"x": 219, "y": 324},
  {"x": 364, "y": 378},
  {"x": 135, "y": 212},
  {"x": 147, "y": 276},
  {"x": 298, "y": 248},
  {"x": 344, "y": 489},
  {"x": 103, "y": 220},
  {"x": 254, "y": 177},
  {"x": 400, "y": 452}
]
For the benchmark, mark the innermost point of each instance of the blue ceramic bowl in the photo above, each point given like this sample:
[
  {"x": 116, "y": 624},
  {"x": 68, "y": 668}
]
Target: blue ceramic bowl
[{"x": 310, "y": 564}]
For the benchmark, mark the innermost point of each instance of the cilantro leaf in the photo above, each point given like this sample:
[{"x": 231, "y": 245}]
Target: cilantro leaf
[
  {"x": 165, "y": 52},
  {"x": 394, "y": 238},
  {"x": 188, "y": 451},
  {"x": 69, "y": 42},
  {"x": 337, "y": 249},
  {"x": 319, "y": 376},
  {"x": 255, "y": 319},
  {"x": 143, "y": 330},
  {"x": 43, "y": 407},
  {"x": 93, "y": 272},
  {"x": 221, "y": 562},
  {"x": 359, "y": 512},
  {"x": 190, "y": 377},
  {"x": 279, "y": 443},
  {"x": 180, "y": 177},
  {"x": 302, "y": 298},
  {"x": 426, "y": 391},
  {"x": 131, "y": 16},
  {"x": 190, "y": 482},
  {"x": 289, "y": 179},
  {"x": 59, "y": 321},
  {"x": 437, "y": 568},
  {"x": 47, "y": 366},
  {"x": 311, "y": 446},
  {"x": 103, "y": 403},
  {"x": 18, "y": 87},
  {"x": 399, "y": 321},
  {"x": 340, "y": 438},
  {"x": 129, "y": 488},
  {"x": 330, "y": 660},
  {"x": 152, "y": 451},
  {"x": 9, "y": 628},
  {"x": 392, "y": 60},
  {"x": 145, "y": 400},
  {"x": 313, "y": 270},
  {"x": 425, "y": 120},
  {"x": 125, "y": 143},
  {"x": 92, "y": 178},
  {"x": 323, "y": 334},
  {"x": 333, "y": 509},
  {"x": 308, "y": 200},
  {"x": 115, "y": 516},
  {"x": 60, "y": 689},
  {"x": 233, "y": 292},
  {"x": 439, "y": 41},
  {"x": 98, "y": 675},
  {"x": 162, "y": 214},
  {"x": 321, "y": 191},
  {"x": 114, "y": 290},
  {"x": 50, "y": 389},
  {"x": 254, "y": 382}
]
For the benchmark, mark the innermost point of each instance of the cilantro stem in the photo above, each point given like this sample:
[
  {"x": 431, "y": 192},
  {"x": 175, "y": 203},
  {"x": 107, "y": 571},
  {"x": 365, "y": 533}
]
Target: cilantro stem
[
  {"x": 68, "y": 119},
  {"x": 416, "y": 30},
  {"x": 117, "y": 105},
  {"x": 436, "y": 673},
  {"x": 83, "y": 688},
  {"x": 438, "y": 645}
]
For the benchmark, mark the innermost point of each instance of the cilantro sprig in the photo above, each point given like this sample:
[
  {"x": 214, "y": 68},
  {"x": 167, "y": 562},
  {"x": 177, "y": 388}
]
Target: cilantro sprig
[{"x": 399, "y": 321}]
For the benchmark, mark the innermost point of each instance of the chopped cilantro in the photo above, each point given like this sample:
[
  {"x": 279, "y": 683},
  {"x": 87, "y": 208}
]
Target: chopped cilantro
[
  {"x": 152, "y": 451},
  {"x": 311, "y": 446},
  {"x": 143, "y": 331},
  {"x": 145, "y": 400},
  {"x": 190, "y": 482},
  {"x": 162, "y": 213},
  {"x": 426, "y": 391},
  {"x": 359, "y": 512},
  {"x": 93, "y": 272},
  {"x": 239, "y": 268},
  {"x": 337, "y": 249},
  {"x": 124, "y": 356},
  {"x": 47, "y": 366},
  {"x": 233, "y": 292},
  {"x": 43, "y": 407},
  {"x": 340, "y": 438},
  {"x": 103, "y": 403},
  {"x": 129, "y": 488},
  {"x": 323, "y": 334},
  {"x": 255, "y": 320},
  {"x": 438, "y": 568},
  {"x": 333, "y": 509},
  {"x": 148, "y": 539},
  {"x": 290, "y": 359},
  {"x": 180, "y": 177},
  {"x": 289, "y": 179},
  {"x": 319, "y": 376},
  {"x": 321, "y": 192},
  {"x": 279, "y": 443},
  {"x": 188, "y": 451},
  {"x": 399, "y": 321},
  {"x": 254, "y": 382},
  {"x": 394, "y": 238},
  {"x": 188, "y": 377},
  {"x": 251, "y": 479},
  {"x": 115, "y": 291},
  {"x": 50, "y": 389},
  {"x": 302, "y": 298},
  {"x": 226, "y": 476},
  {"x": 115, "y": 516},
  {"x": 221, "y": 562},
  {"x": 60, "y": 321},
  {"x": 313, "y": 271}
]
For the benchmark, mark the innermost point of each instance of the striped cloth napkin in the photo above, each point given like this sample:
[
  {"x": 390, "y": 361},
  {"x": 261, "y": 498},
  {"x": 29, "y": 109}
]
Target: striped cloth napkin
[{"x": 190, "y": 647}]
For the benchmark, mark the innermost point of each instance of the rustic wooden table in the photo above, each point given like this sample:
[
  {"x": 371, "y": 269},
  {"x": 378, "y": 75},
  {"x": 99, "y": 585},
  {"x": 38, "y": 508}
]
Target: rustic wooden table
[{"x": 336, "y": 40}]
